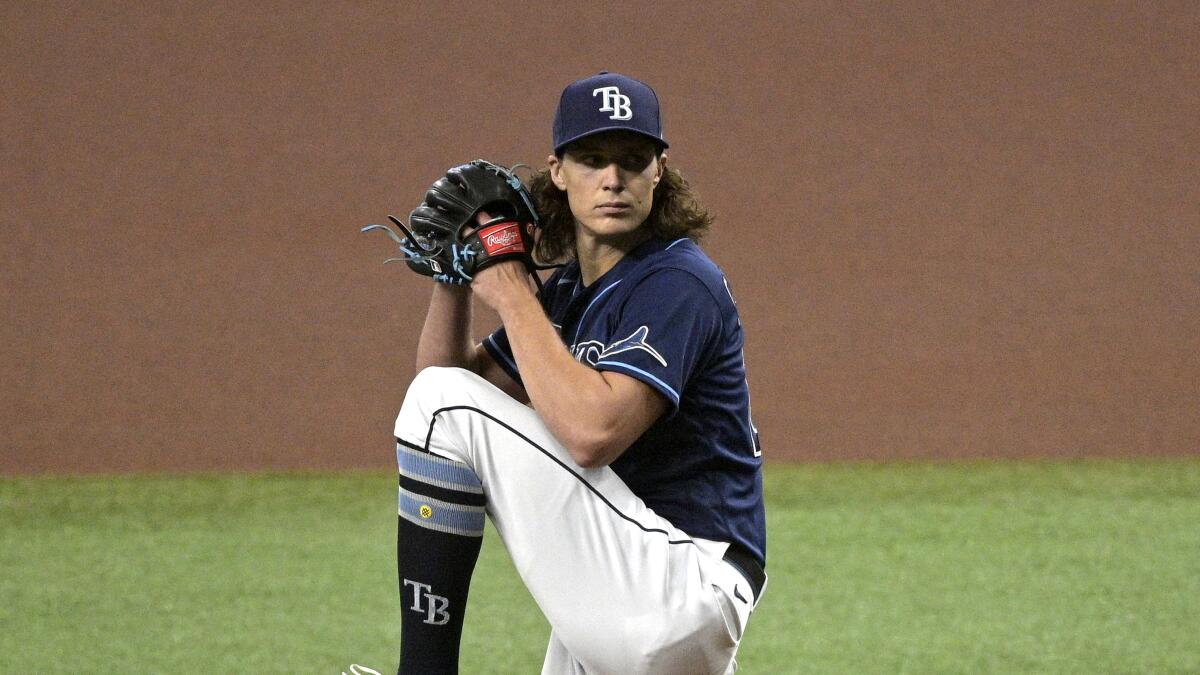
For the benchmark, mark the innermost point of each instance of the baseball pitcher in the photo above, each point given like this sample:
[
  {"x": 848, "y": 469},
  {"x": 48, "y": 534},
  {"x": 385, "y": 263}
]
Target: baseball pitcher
[{"x": 604, "y": 428}]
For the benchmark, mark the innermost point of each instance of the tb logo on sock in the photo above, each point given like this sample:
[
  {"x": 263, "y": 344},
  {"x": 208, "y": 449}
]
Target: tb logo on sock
[{"x": 435, "y": 611}]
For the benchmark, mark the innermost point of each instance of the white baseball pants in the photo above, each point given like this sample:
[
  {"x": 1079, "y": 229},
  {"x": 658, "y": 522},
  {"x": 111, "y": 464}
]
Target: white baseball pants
[{"x": 624, "y": 590}]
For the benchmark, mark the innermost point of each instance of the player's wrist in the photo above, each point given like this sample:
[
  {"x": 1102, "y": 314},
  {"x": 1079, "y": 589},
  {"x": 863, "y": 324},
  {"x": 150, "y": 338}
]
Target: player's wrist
[{"x": 515, "y": 299}]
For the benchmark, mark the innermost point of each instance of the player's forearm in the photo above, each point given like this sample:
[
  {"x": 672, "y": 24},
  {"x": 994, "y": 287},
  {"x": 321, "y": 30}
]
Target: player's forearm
[
  {"x": 570, "y": 397},
  {"x": 446, "y": 336}
]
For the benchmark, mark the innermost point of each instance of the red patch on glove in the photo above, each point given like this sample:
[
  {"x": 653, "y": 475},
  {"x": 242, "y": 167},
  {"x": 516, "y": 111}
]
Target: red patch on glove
[{"x": 502, "y": 238}]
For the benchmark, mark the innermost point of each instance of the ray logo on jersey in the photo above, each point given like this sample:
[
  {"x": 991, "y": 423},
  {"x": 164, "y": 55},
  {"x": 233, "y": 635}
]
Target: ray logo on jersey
[{"x": 594, "y": 351}]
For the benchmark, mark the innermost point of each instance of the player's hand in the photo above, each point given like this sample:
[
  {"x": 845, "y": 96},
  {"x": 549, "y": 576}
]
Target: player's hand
[{"x": 504, "y": 282}]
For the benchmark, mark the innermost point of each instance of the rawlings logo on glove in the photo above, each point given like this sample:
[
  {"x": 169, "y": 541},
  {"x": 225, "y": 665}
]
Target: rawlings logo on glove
[
  {"x": 502, "y": 238},
  {"x": 444, "y": 242}
]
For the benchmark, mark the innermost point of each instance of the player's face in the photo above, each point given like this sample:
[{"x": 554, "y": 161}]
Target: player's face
[{"x": 609, "y": 179}]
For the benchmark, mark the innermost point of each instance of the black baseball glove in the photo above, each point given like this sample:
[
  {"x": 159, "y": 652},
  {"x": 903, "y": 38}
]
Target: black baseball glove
[{"x": 447, "y": 243}]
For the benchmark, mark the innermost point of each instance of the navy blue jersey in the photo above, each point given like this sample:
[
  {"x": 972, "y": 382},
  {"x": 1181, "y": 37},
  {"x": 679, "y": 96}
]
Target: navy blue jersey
[{"x": 664, "y": 314}]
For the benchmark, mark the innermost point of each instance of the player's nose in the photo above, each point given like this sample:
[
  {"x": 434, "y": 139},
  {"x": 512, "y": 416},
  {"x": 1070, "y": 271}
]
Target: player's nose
[{"x": 611, "y": 177}]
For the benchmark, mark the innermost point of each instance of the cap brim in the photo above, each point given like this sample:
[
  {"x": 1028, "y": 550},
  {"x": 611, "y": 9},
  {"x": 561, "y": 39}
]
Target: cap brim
[{"x": 592, "y": 132}]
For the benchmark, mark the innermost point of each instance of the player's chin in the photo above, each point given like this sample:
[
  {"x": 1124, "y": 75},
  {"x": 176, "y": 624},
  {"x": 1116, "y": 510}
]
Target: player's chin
[{"x": 617, "y": 223}]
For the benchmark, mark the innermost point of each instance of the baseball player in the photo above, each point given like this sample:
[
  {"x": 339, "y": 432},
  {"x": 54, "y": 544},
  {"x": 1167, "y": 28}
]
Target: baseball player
[{"x": 604, "y": 427}]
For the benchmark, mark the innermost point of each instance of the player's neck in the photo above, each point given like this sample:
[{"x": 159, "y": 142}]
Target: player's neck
[{"x": 598, "y": 255}]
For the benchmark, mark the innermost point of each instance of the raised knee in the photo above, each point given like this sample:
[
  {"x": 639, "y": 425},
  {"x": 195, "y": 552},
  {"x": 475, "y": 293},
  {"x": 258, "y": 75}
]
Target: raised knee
[
  {"x": 437, "y": 387},
  {"x": 438, "y": 379}
]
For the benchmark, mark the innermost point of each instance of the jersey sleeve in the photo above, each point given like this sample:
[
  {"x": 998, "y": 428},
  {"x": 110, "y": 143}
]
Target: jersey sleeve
[
  {"x": 498, "y": 347},
  {"x": 663, "y": 330},
  {"x": 497, "y": 344}
]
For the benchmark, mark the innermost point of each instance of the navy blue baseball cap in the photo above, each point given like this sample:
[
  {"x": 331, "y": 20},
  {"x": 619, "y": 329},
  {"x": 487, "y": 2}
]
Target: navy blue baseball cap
[{"x": 606, "y": 102}]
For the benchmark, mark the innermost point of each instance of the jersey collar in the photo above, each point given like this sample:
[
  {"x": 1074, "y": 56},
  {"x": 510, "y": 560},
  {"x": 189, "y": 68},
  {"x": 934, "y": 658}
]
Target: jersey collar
[{"x": 628, "y": 261}]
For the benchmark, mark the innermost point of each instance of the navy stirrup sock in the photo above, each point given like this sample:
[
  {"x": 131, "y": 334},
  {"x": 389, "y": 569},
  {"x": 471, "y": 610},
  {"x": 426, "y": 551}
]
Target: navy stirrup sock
[{"x": 438, "y": 537}]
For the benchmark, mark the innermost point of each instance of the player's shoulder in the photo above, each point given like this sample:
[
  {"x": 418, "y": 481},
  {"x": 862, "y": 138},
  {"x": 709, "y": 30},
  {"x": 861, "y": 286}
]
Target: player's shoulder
[
  {"x": 678, "y": 271},
  {"x": 681, "y": 260}
]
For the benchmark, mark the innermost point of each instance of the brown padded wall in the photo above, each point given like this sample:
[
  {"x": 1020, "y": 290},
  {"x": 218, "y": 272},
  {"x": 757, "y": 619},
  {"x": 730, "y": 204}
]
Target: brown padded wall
[{"x": 967, "y": 230}]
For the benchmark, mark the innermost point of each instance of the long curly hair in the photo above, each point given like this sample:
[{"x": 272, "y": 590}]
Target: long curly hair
[{"x": 675, "y": 213}]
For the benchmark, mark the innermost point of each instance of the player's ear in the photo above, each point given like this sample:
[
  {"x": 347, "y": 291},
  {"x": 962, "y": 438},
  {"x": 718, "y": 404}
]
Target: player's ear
[
  {"x": 555, "y": 166},
  {"x": 662, "y": 166}
]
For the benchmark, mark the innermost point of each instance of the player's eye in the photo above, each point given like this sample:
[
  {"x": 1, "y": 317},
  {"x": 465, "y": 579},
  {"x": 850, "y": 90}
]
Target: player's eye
[{"x": 636, "y": 162}]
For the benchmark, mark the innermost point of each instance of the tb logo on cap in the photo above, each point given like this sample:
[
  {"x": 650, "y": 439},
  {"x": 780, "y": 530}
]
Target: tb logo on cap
[{"x": 614, "y": 102}]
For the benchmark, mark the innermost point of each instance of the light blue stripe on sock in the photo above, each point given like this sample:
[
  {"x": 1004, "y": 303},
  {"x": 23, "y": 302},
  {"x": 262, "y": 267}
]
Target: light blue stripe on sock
[
  {"x": 441, "y": 516},
  {"x": 437, "y": 471}
]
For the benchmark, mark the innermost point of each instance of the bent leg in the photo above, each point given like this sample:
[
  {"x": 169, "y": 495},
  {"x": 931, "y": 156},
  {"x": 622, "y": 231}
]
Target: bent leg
[{"x": 624, "y": 590}]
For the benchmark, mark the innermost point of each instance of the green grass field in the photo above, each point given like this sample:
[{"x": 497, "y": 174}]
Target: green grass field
[{"x": 997, "y": 567}]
